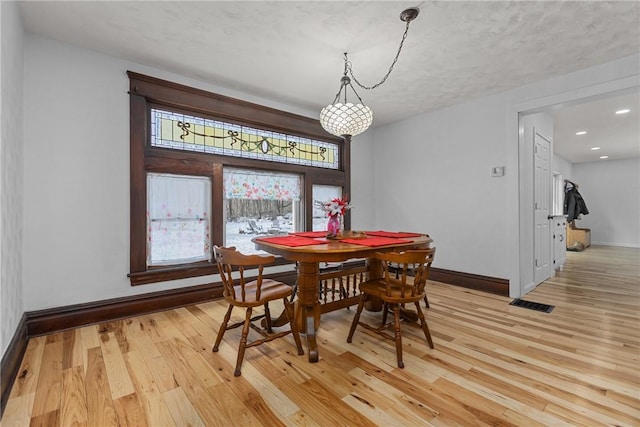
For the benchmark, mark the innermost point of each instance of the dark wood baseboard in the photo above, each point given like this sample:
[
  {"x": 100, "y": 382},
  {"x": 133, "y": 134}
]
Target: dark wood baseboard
[
  {"x": 43, "y": 322},
  {"x": 492, "y": 285},
  {"x": 61, "y": 318},
  {"x": 11, "y": 361}
]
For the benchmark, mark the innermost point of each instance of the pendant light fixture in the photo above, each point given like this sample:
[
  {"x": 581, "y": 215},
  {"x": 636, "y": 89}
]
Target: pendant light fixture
[{"x": 346, "y": 119}]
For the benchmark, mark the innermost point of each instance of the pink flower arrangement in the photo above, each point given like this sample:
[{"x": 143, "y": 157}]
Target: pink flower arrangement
[{"x": 334, "y": 207}]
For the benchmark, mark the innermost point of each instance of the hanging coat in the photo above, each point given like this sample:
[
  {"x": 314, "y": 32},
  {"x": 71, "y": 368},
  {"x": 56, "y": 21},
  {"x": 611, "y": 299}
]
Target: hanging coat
[{"x": 574, "y": 204}]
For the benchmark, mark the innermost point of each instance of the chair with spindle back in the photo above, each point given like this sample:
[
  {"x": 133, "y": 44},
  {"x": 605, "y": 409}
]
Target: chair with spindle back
[
  {"x": 241, "y": 292},
  {"x": 395, "y": 292}
]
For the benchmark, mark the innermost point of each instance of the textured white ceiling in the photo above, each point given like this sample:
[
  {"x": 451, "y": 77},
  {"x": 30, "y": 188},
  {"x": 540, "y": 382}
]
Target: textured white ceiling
[{"x": 291, "y": 51}]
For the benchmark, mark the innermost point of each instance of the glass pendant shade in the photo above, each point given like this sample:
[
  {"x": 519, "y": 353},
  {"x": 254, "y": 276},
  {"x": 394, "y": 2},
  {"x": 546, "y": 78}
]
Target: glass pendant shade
[{"x": 346, "y": 119}]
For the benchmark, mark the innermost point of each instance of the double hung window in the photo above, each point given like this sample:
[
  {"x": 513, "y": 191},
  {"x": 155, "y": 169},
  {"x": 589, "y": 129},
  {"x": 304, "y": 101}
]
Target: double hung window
[
  {"x": 260, "y": 203},
  {"x": 179, "y": 219}
]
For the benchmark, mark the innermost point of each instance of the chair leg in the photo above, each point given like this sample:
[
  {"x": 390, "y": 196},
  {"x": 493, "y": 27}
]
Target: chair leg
[
  {"x": 289, "y": 312},
  {"x": 223, "y": 328},
  {"x": 243, "y": 342},
  {"x": 294, "y": 291},
  {"x": 385, "y": 310},
  {"x": 356, "y": 318},
  {"x": 423, "y": 323},
  {"x": 398, "y": 334},
  {"x": 426, "y": 301},
  {"x": 267, "y": 318}
]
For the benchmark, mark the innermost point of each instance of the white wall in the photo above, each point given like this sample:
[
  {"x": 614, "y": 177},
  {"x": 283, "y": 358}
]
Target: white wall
[
  {"x": 433, "y": 175},
  {"x": 611, "y": 190},
  {"x": 11, "y": 167},
  {"x": 563, "y": 166},
  {"x": 432, "y": 172},
  {"x": 76, "y": 185},
  {"x": 362, "y": 173}
]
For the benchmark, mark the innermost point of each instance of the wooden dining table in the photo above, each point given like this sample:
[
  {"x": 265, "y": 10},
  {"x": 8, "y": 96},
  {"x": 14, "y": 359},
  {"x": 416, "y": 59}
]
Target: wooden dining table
[{"x": 309, "y": 257}]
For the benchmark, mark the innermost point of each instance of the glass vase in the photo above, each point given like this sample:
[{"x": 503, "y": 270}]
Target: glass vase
[{"x": 333, "y": 226}]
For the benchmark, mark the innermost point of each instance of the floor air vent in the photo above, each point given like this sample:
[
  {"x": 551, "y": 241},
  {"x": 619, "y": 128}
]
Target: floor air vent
[{"x": 532, "y": 305}]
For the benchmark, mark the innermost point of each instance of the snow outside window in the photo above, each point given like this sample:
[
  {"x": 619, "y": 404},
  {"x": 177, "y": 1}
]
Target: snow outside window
[{"x": 178, "y": 219}]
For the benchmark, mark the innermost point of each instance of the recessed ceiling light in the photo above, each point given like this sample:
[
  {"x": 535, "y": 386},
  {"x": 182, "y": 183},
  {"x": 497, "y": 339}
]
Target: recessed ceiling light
[
  {"x": 582, "y": 132},
  {"x": 624, "y": 111},
  {"x": 595, "y": 148},
  {"x": 604, "y": 157}
]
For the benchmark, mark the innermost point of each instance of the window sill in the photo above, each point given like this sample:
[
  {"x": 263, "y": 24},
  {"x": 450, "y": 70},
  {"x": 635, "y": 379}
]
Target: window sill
[{"x": 164, "y": 274}]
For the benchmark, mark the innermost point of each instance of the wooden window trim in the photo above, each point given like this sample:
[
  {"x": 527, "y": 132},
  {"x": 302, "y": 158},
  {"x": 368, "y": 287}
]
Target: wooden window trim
[{"x": 146, "y": 92}]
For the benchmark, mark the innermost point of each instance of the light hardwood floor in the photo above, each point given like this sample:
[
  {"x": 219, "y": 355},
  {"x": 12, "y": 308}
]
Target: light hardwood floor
[{"x": 493, "y": 364}]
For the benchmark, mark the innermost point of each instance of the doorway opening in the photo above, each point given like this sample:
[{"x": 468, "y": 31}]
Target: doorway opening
[{"x": 522, "y": 274}]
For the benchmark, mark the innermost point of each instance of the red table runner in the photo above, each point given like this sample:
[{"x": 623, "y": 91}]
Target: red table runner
[
  {"x": 291, "y": 241},
  {"x": 375, "y": 241},
  {"x": 397, "y": 235}
]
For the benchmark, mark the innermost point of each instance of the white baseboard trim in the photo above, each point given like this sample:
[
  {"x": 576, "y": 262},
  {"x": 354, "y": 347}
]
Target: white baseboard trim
[{"x": 618, "y": 244}]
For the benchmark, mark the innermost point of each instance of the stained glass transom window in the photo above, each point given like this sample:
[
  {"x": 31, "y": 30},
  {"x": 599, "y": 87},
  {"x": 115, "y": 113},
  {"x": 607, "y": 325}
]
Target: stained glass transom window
[{"x": 184, "y": 132}]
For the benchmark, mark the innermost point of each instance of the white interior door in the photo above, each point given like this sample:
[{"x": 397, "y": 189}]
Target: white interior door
[{"x": 541, "y": 191}]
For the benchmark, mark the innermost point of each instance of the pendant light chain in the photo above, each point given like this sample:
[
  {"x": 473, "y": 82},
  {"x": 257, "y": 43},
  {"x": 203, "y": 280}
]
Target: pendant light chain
[{"x": 384, "y": 79}]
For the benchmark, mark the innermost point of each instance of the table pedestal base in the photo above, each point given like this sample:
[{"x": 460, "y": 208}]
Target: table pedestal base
[{"x": 308, "y": 306}]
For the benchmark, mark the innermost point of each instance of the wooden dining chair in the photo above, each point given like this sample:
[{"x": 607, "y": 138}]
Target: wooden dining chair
[
  {"x": 397, "y": 269},
  {"x": 396, "y": 292},
  {"x": 241, "y": 292}
]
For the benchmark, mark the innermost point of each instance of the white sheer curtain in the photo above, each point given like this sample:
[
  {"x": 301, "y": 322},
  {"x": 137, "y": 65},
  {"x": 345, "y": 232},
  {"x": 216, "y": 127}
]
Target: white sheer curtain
[
  {"x": 178, "y": 219},
  {"x": 258, "y": 185}
]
